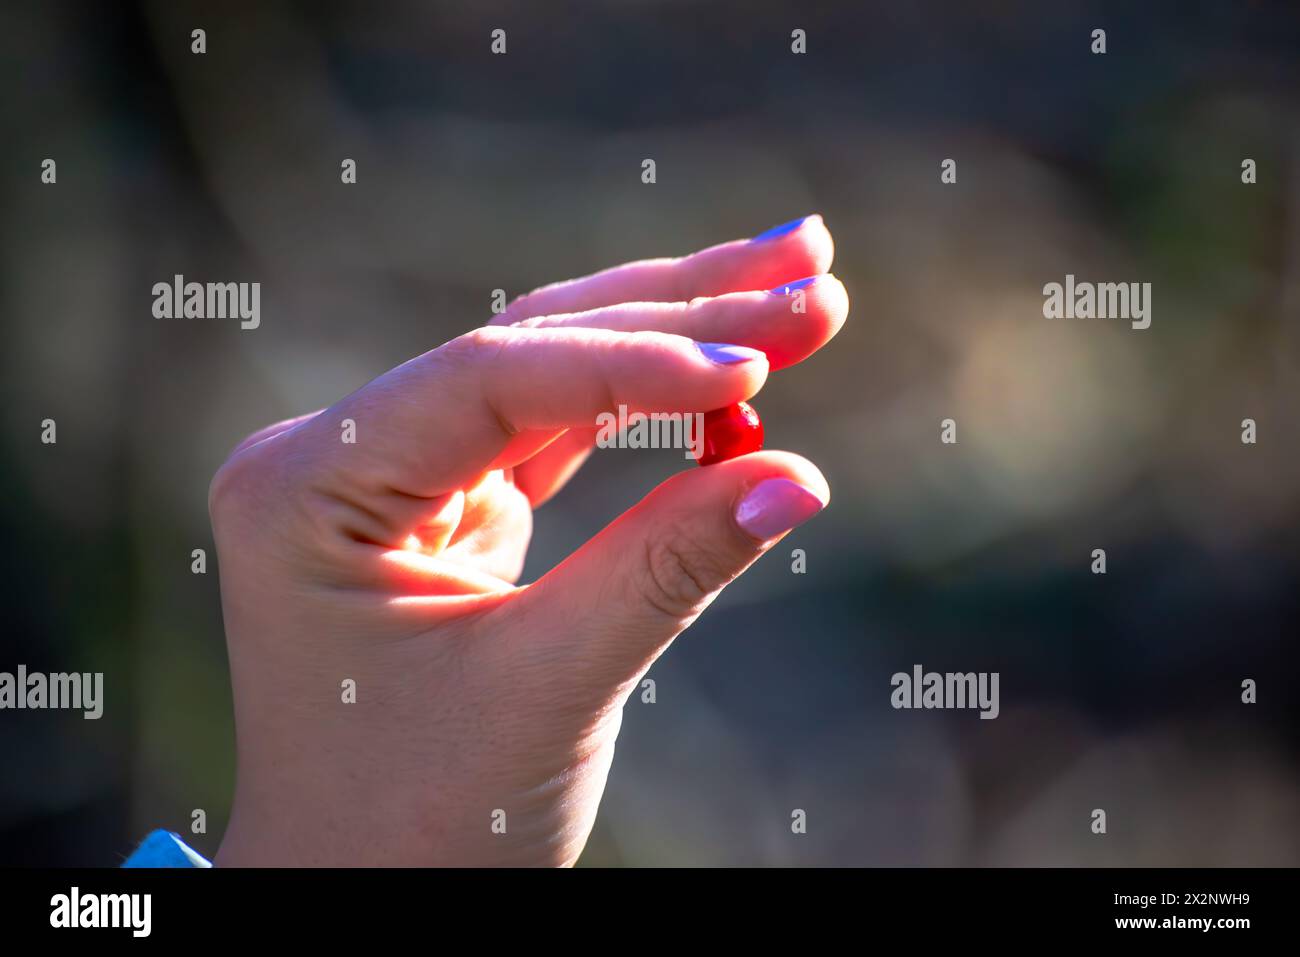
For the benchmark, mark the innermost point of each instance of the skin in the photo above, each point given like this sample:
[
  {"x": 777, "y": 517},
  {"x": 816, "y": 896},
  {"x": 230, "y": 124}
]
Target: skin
[{"x": 392, "y": 562}]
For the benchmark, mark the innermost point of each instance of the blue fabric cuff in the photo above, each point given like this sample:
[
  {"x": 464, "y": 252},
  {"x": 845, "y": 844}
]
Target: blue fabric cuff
[{"x": 165, "y": 849}]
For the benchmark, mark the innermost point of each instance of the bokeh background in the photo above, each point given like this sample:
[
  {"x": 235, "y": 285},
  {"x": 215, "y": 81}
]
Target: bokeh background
[{"x": 479, "y": 172}]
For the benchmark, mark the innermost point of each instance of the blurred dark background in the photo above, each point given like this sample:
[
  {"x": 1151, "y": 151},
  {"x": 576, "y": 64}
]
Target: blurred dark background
[{"x": 478, "y": 172}]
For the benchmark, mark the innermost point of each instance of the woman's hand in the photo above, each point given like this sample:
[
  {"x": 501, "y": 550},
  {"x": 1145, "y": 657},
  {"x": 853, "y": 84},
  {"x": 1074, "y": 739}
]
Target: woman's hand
[{"x": 485, "y": 714}]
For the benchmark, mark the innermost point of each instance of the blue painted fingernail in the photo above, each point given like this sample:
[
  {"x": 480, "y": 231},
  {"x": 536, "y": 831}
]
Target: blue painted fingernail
[
  {"x": 725, "y": 354},
  {"x": 792, "y": 286},
  {"x": 776, "y": 232}
]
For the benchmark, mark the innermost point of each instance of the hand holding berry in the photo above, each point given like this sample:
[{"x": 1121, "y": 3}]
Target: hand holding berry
[{"x": 391, "y": 563}]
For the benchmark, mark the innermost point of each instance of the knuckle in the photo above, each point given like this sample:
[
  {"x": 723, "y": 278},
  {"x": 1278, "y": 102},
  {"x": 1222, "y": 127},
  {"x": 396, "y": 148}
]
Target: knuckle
[
  {"x": 682, "y": 279},
  {"x": 234, "y": 487},
  {"x": 680, "y": 575},
  {"x": 648, "y": 342},
  {"x": 257, "y": 504},
  {"x": 476, "y": 346}
]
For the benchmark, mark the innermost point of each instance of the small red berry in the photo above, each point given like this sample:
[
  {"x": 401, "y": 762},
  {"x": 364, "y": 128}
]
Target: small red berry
[{"x": 731, "y": 431}]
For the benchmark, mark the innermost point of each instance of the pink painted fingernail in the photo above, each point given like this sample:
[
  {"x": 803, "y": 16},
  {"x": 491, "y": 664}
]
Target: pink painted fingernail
[{"x": 774, "y": 506}]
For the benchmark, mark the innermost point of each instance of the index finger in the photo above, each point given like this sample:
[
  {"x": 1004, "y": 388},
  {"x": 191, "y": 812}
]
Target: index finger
[{"x": 494, "y": 397}]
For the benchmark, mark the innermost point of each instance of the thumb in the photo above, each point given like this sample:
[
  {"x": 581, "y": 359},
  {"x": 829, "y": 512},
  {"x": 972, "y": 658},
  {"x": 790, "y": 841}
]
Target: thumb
[{"x": 613, "y": 606}]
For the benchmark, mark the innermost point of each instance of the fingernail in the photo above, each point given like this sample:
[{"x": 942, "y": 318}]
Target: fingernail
[
  {"x": 792, "y": 286},
  {"x": 725, "y": 354},
  {"x": 774, "y": 506},
  {"x": 776, "y": 232}
]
